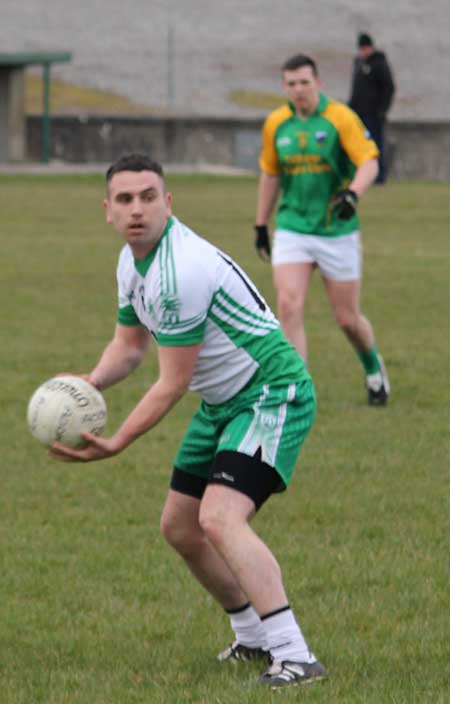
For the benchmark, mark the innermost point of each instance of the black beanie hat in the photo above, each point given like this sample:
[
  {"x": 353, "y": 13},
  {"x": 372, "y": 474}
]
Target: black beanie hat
[{"x": 365, "y": 40}]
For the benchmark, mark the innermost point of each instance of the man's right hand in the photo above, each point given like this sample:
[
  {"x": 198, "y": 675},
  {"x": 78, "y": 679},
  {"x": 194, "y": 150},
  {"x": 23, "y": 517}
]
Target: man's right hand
[{"x": 262, "y": 242}]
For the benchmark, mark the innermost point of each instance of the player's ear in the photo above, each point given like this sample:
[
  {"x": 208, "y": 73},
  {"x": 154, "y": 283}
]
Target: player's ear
[{"x": 107, "y": 213}]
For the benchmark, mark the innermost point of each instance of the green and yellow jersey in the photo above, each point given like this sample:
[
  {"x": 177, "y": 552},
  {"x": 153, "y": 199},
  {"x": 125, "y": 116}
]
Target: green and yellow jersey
[{"x": 314, "y": 157}]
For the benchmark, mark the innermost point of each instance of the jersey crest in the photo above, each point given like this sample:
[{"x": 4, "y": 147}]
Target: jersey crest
[
  {"x": 170, "y": 308},
  {"x": 302, "y": 138}
]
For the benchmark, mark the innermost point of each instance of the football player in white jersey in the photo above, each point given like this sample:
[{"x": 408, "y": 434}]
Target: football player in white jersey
[{"x": 216, "y": 335}]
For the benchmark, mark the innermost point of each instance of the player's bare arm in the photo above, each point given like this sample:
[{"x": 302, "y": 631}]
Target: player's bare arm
[
  {"x": 267, "y": 198},
  {"x": 176, "y": 365},
  {"x": 123, "y": 354},
  {"x": 365, "y": 175}
]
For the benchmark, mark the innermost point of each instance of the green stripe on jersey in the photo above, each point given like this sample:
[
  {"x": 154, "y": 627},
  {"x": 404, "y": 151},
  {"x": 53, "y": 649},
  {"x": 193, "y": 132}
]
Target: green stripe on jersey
[
  {"x": 191, "y": 337},
  {"x": 167, "y": 268},
  {"x": 228, "y": 305},
  {"x": 277, "y": 359},
  {"x": 240, "y": 324}
]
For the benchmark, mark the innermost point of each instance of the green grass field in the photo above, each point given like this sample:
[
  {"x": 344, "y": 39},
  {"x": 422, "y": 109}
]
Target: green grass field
[{"x": 94, "y": 607}]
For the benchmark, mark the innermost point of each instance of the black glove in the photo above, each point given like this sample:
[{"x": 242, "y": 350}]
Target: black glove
[
  {"x": 262, "y": 242},
  {"x": 344, "y": 205}
]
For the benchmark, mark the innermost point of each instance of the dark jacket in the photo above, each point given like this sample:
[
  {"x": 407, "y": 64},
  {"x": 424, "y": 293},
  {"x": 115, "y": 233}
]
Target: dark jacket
[{"x": 372, "y": 86}]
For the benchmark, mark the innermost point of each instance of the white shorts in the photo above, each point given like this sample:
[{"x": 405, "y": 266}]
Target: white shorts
[{"x": 338, "y": 258}]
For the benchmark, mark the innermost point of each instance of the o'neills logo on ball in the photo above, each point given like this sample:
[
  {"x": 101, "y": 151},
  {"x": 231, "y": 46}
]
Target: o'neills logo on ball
[{"x": 78, "y": 396}]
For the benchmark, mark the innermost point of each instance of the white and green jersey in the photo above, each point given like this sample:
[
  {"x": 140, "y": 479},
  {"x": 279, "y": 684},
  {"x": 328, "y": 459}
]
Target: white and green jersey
[{"x": 186, "y": 291}]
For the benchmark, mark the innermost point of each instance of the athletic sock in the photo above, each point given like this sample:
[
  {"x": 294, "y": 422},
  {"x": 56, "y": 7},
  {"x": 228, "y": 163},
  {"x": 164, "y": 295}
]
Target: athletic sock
[
  {"x": 247, "y": 627},
  {"x": 284, "y": 637},
  {"x": 370, "y": 360}
]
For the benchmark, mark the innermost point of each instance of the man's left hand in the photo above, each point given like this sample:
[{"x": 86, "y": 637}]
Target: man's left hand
[
  {"x": 98, "y": 448},
  {"x": 262, "y": 242},
  {"x": 344, "y": 205}
]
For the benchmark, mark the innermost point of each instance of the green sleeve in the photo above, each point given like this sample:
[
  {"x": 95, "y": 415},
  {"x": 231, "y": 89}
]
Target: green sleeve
[
  {"x": 127, "y": 316},
  {"x": 183, "y": 339}
]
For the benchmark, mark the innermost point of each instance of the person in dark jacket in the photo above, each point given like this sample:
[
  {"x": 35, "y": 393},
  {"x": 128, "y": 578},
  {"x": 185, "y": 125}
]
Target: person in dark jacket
[{"x": 372, "y": 93}]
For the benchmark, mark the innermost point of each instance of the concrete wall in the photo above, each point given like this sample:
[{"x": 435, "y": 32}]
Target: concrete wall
[
  {"x": 191, "y": 57},
  {"x": 12, "y": 114},
  {"x": 417, "y": 150},
  {"x": 420, "y": 150}
]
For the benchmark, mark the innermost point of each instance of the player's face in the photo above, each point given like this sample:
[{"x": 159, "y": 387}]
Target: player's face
[
  {"x": 302, "y": 88},
  {"x": 365, "y": 51},
  {"x": 138, "y": 207}
]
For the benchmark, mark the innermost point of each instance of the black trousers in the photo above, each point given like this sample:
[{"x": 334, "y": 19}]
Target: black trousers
[{"x": 376, "y": 125}]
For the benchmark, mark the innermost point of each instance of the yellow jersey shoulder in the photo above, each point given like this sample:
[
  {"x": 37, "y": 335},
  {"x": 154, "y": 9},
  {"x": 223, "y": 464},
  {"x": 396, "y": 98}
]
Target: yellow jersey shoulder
[
  {"x": 353, "y": 134},
  {"x": 268, "y": 160},
  {"x": 277, "y": 117},
  {"x": 336, "y": 111}
]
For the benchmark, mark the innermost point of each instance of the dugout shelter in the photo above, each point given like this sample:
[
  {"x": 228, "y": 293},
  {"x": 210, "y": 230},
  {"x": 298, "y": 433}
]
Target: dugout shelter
[{"x": 12, "y": 101}]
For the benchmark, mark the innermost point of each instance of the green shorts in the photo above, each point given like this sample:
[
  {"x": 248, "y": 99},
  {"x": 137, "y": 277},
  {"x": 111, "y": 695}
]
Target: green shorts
[{"x": 269, "y": 421}]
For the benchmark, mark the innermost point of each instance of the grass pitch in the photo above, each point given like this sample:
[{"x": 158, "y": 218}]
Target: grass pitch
[{"x": 94, "y": 607}]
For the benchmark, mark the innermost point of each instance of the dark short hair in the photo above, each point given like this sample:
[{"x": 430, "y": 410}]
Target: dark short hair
[
  {"x": 364, "y": 40},
  {"x": 298, "y": 61},
  {"x": 134, "y": 162}
]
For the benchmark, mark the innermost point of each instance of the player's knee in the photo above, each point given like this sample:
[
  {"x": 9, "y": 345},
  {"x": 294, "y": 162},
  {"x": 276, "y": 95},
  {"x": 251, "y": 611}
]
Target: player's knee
[
  {"x": 184, "y": 539},
  {"x": 213, "y": 522},
  {"x": 289, "y": 306}
]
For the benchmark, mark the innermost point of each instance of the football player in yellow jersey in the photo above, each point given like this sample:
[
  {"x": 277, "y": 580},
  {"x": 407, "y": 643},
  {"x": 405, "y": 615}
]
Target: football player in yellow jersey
[{"x": 317, "y": 160}]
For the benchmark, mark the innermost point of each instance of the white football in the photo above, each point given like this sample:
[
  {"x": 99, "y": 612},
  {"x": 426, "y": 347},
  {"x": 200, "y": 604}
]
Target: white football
[{"x": 63, "y": 408}]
